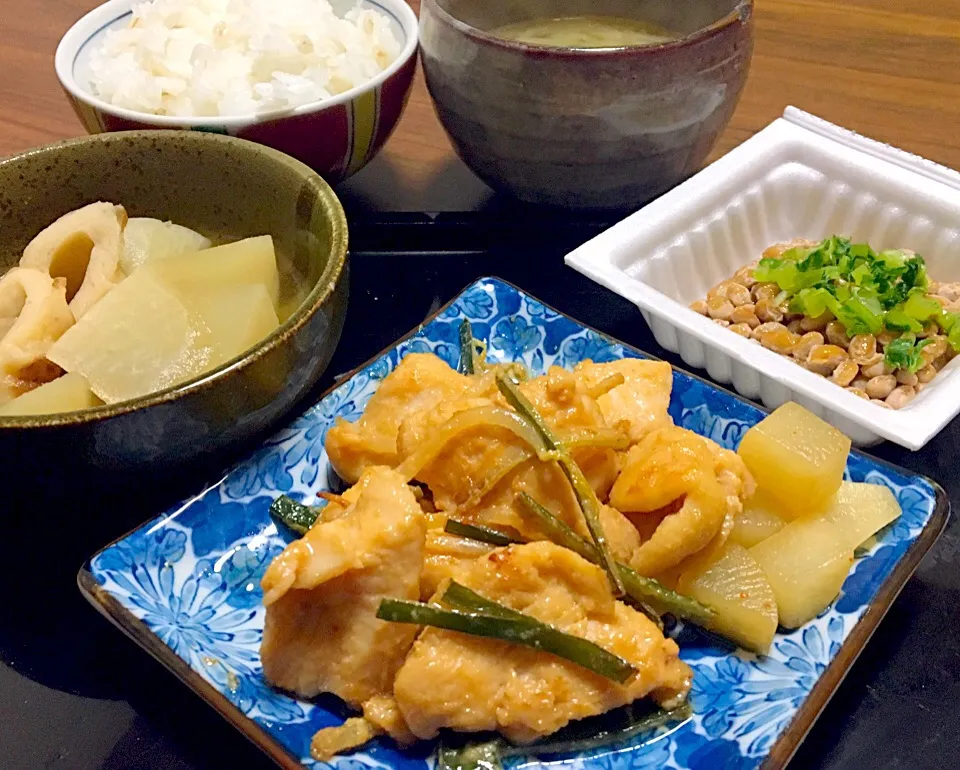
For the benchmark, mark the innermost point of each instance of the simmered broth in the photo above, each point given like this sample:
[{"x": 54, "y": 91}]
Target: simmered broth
[{"x": 585, "y": 32}]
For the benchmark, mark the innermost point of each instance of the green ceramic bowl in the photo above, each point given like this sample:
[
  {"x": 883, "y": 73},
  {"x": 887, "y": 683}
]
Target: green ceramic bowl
[{"x": 217, "y": 185}]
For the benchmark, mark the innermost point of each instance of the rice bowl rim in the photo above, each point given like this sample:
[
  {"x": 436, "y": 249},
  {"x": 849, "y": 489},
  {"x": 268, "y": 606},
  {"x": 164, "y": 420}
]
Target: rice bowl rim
[{"x": 91, "y": 25}]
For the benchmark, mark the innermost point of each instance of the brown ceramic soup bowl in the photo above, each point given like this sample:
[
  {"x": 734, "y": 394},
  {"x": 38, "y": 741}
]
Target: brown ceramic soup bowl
[
  {"x": 221, "y": 187},
  {"x": 585, "y": 128}
]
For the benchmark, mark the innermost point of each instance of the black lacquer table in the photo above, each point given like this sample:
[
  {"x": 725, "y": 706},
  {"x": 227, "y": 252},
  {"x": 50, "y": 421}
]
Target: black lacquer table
[{"x": 75, "y": 694}]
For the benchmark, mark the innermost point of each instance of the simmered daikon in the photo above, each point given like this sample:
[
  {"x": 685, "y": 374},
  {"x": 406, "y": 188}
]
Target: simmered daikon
[
  {"x": 738, "y": 590},
  {"x": 138, "y": 339},
  {"x": 806, "y": 563},
  {"x": 252, "y": 260},
  {"x": 235, "y": 318},
  {"x": 68, "y": 393},
  {"x": 146, "y": 239},
  {"x": 159, "y": 306},
  {"x": 796, "y": 458},
  {"x": 861, "y": 510},
  {"x": 759, "y": 519}
]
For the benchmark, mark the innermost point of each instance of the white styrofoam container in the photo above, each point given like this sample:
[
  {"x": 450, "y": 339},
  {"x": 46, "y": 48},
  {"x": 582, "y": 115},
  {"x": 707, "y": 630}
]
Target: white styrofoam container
[{"x": 800, "y": 177}]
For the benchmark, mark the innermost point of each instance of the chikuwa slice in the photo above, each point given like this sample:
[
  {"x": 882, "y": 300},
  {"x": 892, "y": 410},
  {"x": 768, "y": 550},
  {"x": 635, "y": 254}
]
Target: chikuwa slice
[{"x": 84, "y": 248}]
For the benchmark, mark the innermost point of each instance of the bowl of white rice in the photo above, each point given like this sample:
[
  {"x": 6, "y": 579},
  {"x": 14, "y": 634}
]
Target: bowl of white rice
[{"x": 322, "y": 80}]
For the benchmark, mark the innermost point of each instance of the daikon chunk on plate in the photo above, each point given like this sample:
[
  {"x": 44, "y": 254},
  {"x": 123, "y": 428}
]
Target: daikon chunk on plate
[
  {"x": 860, "y": 511},
  {"x": 738, "y": 589},
  {"x": 759, "y": 519},
  {"x": 806, "y": 563},
  {"x": 796, "y": 458}
]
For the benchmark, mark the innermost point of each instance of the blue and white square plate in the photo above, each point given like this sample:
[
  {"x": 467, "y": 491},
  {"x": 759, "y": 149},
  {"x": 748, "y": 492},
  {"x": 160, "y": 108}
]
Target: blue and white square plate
[{"x": 186, "y": 585}]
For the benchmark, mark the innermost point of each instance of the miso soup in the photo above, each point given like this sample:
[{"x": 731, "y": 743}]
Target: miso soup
[{"x": 585, "y": 32}]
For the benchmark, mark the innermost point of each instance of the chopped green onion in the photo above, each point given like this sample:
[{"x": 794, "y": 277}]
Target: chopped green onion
[
  {"x": 467, "y": 347},
  {"x": 459, "y": 597},
  {"x": 614, "y": 728},
  {"x": 898, "y": 353},
  {"x": 856, "y": 284},
  {"x": 920, "y": 307},
  {"x": 892, "y": 258},
  {"x": 484, "y": 755},
  {"x": 782, "y": 272},
  {"x": 867, "y": 311},
  {"x": 812, "y": 302},
  {"x": 652, "y": 596},
  {"x": 294, "y": 515},
  {"x": 474, "y": 532},
  {"x": 586, "y": 497},
  {"x": 904, "y": 352},
  {"x": 948, "y": 322},
  {"x": 598, "y": 732},
  {"x": 522, "y": 630},
  {"x": 860, "y": 273},
  {"x": 899, "y": 321}
]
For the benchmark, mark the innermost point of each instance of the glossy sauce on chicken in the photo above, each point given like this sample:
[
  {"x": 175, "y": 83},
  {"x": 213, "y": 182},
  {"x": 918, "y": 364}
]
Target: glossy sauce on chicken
[{"x": 663, "y": 495}]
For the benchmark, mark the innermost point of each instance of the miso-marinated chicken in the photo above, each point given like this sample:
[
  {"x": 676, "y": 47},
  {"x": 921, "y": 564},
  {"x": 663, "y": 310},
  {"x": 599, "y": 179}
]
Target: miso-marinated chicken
[
  {"x": 460, "y": 495},
  {"x": 445, "y": 555},
  {"x": 420, "y": 383},
  {"x": 477, "y": 458},
  {"x": 676, "y": 467},
  {"x": 321, "y": 633},
  {"x": 473, "y": 684},
  {"x": 641, "y": 400}
]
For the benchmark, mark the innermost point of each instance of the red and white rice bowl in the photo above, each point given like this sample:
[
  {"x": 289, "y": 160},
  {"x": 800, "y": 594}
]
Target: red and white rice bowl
[{"x": 336, "y": 136}]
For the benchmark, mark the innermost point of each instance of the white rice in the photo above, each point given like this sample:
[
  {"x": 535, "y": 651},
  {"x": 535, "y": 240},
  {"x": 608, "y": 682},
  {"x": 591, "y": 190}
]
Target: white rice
[{"x": 199, "y": 58}]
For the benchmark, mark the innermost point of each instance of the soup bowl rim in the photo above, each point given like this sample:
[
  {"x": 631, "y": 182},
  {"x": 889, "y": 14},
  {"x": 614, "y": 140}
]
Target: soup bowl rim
[{"x": 741, "y": 13}]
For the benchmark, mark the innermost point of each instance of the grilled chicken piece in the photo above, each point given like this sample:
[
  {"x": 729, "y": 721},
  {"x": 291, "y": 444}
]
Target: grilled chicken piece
[
  {"x": 473, "y": 684},
  {"x": 699, "y": 484},
  {"x": 382, "y": 712},
  {"x": 83, "y": 247},
  {"x": 473, "y": 462},
  {"x": 446, "y": 555},
  {"x": 643, "y": 398},
  {"x": 564, "y": 401},
  {"x": 321, "y": 634},
  {"x": 420, "y": 383}
]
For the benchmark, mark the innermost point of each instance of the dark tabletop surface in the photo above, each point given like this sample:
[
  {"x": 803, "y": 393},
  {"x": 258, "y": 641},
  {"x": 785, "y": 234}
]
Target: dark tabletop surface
[{"x": 75, "y": 694}]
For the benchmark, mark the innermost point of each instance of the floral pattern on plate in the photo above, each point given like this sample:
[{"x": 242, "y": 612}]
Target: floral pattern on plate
[{"x": 192, "y": 574}]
